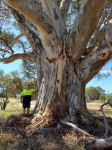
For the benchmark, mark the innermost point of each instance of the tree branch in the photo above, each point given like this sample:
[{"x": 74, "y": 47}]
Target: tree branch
[
  {"x": 84, "y": 27},
  {"x": 98, "y": 144},
  {"x": 31, "y": 11},
  {"x": 92, "y": 142},
  {"x": 64, "y": 7},
  {"x": 4, "y": 50},
  {"x": 16, "y": 39},
  {"x": 32, "y": 37},
  {"x": 52, "y": 10},
  {"x": 7, "y": 46},
  {"x": 91, "y": 64},
  {"x": 3, "y": 10},
  {"x": 23, "y": 56},
  {"x": 34, "y": 40}
]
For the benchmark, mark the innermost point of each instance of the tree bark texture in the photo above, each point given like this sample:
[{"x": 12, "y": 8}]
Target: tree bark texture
[{"x": 62, "y": 94}]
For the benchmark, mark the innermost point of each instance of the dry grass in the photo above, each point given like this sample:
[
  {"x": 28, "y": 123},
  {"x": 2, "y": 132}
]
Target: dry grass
[
  {"x": 14, "y": 107},
  {"x": 94, "y": 107}
]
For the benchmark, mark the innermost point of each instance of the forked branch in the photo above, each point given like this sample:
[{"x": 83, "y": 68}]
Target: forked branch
[
  {"x": 85, "y": 26},
  {"x": 96, "y": 55},
  {"x": 104, "y": 117}
]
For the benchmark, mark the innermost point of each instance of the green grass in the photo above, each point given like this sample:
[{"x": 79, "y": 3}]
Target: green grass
[
  {"x": 6, "y": 113},
  {"x": 13, "y": 107}
]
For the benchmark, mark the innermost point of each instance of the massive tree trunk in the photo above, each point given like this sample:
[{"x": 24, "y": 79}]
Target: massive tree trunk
[
  {"x": 68, "y": 61},
  {"x": 62, "y": 94}
]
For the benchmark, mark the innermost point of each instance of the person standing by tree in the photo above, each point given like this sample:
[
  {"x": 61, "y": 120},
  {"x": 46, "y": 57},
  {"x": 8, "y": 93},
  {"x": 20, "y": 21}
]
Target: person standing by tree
[{"x": 26, "y": 96}]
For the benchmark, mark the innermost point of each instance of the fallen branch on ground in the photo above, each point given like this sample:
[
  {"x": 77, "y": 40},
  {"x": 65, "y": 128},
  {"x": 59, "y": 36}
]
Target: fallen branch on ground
[
  {"x": 99, "y": 144},
  {"x": 92, "y": 142},
  {"x": 75, "y": 127}
]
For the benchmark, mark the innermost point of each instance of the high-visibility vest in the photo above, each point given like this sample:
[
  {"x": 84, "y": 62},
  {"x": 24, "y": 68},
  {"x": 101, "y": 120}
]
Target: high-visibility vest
[{"x": 26, "y": 92}]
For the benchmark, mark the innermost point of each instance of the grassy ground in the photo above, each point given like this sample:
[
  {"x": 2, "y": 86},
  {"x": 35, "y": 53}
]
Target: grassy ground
[
  {"x": 94, "y": 106},
  {"x": 14, "y": 107}
]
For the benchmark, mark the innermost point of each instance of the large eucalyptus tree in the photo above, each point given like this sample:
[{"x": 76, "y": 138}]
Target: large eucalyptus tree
[{"x": 76, "y": 38}]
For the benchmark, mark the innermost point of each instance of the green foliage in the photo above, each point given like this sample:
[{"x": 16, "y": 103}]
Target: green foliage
[
  {"x": 101, "y": 91},
  {"x": 108, "y": 96},
  {"x": 6, "y": 113},
  {"x": 93, "y": 93},
  {"x": 12, "y": 81},
  {"x": 97, "y": 93},
  {"x": 102, "y": 97}
]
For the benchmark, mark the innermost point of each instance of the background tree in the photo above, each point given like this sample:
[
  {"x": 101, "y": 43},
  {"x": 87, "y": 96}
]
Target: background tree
[
  {"x": 69, "y": 55},
  {"x": 109, "y": 96},
  {"x": 94, "y": 93},
  {"x": 16, "y": 84},
  {"x": 13, "y": 83}
]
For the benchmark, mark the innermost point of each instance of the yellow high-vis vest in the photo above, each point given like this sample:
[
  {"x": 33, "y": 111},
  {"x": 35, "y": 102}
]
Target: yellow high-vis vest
[{"x": 26, "y": 92}]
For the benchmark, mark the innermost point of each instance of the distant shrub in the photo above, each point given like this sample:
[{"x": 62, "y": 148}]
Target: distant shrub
[
  {"x": 102, "y": 97},
  {"x": 108, "y": 96},
  {"x": 94, "y": 93}
]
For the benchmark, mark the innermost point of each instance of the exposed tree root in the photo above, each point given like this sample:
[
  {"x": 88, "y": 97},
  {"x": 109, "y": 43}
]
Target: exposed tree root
[
  {"x": 92, "y": 142},
  {"x": 75, "y": 127},
  {"x": 99, "y": 144}
]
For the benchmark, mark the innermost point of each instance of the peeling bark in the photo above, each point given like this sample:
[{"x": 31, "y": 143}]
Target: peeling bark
[
  {"x": 64, "y": 7},
  {"x": 61, "y": 92},
  {"x": 97, "y": 57},
  {"x": 52, "y": 10},
  {"x": 85, "y": 26}
]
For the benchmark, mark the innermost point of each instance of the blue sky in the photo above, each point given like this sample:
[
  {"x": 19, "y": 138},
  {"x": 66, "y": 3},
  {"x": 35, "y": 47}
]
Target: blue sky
[
  {"x": 7, "y": 68},
  {"x": 106, "y": 81}
]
